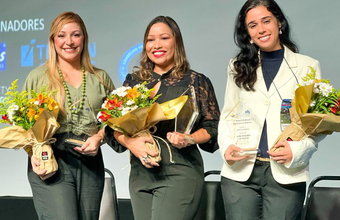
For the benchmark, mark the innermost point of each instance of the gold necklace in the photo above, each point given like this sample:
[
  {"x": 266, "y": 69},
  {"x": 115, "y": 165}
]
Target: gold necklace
[{"x": 73, "y": 108}]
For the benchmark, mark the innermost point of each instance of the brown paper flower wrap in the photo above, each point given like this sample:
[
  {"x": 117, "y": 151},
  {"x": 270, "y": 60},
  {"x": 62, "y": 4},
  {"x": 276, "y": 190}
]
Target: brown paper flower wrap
[
  {"x": 305, "y": 124},
  {"x": 32, "y": 116},
  {"x": 39, "y": 137},
  {"x": 138, "y": 122}
]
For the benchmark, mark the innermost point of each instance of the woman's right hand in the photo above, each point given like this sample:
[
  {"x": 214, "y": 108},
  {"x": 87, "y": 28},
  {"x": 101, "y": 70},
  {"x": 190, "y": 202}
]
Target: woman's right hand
[
  {"x": 41, "y": 173},
  {"x": 231, "y": 155},
  {"x": 137, "y": 147}
]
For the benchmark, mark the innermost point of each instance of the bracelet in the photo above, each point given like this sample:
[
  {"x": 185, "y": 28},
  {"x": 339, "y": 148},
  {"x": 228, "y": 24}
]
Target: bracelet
[
  {"x": 102, "y": 138},
  {"x": 189, "y": 139}
]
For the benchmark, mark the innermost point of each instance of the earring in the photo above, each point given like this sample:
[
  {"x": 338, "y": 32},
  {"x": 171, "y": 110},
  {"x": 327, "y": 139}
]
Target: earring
[
  {"x": 251, "y": 41},
  {"x": 280, "y": 31}
]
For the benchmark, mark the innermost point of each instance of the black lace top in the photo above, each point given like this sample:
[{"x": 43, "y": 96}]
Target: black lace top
[{"x": 171, "y": 88}]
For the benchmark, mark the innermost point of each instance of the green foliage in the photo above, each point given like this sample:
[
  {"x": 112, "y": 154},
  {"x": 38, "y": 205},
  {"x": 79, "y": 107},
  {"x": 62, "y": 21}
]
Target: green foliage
[
  {"x": 13, "y": 97},
  {"x": 17, "y": 109}
]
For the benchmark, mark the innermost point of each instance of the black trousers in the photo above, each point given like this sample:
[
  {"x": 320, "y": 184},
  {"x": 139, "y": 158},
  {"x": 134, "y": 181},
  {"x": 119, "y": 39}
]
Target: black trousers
[
  {"x": 261, "y": 197},
  {"x": 75, "y": 191}
]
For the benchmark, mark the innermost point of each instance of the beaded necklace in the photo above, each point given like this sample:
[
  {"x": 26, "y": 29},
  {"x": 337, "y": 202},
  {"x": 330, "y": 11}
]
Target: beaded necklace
[{"x": 72, "y": 107}]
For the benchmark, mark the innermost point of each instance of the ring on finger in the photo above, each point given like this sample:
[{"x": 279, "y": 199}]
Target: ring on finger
[{"x": 145, "y": 159}]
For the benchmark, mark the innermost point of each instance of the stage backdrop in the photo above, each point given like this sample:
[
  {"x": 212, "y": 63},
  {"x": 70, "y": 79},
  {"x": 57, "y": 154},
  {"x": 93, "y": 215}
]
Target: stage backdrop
[{"x": 116, "y": 29}]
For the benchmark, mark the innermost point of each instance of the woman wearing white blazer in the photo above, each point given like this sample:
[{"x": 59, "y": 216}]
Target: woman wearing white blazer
[{"x": 265, "y": 185}]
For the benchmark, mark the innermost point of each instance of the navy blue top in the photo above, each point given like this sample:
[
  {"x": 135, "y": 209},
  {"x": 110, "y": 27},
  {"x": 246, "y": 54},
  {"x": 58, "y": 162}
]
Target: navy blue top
[{"x": 270, "y": 64}]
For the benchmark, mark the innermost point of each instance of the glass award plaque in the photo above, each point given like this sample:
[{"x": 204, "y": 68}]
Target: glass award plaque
[
  {"x": 244, "y": 125},
  {"x": 186, "y": 118}
]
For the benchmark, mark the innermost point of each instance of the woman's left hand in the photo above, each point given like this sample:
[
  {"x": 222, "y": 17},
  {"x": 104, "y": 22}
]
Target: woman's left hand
[
  {"x": 284, "y": 155},
  {"x": 177, "y": 139},
  {"x": 91, "y": 145}
]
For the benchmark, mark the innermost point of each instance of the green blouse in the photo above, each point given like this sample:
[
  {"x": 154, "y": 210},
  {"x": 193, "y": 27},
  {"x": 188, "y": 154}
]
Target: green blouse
[{"x": 85, "y": 122}]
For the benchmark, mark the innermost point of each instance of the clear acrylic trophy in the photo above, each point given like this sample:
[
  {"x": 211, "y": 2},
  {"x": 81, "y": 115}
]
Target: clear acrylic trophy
[
  {"x": 74, "y": 126},
  {"x": 186, "y": 119},
  {"x": 245, "y": 126}
]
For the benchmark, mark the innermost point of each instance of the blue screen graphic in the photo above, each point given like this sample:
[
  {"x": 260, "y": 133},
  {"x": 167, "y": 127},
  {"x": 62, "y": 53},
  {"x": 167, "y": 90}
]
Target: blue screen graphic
[
  {"x": 124, "y": 62},
  {"x": 27, "y": 54},
  {"x": 3, "y": 52}
]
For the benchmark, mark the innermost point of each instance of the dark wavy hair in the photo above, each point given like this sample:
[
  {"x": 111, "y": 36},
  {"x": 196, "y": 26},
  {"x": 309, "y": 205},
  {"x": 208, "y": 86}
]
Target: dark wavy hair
[
  {"x": 247, "y": 61},
  {"x": 181, "y": 63}
]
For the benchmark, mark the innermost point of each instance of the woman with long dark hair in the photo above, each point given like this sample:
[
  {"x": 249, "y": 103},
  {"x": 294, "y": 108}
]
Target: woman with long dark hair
[
  {"x": 171, "y": 189},
  {"x": 263, "y": 77}
]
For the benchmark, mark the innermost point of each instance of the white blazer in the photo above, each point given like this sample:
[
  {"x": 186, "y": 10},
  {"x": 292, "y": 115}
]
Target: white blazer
[{"x": 266, "y": 105}]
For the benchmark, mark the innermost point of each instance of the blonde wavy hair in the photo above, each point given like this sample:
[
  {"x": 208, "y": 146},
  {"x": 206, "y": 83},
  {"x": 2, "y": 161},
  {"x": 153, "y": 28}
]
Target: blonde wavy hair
[
  {"x": 55, "y": 82},
  {"x": 144, "y": 71}
]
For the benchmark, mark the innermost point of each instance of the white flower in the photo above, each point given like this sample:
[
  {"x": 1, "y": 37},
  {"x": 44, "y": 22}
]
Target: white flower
[
  {"x": 316, "y": 88},
  {"x": 104, "y": 104},
  {"x": 312, "y": 104},
  {"x": 14, "y": 107},
  {"x": 98, "y": 115},
  {"x": 325, "y": 89},
  {"x": 308, "y": 82},
  {"x": 130, "y": 102},
  {"x": 11, "y": 111},
  {"x": 36, "y": 103},
  {"x": 121, "y": 91},
  {"x": 134, "y": 107},
  {"x": 125, "y": 110}
]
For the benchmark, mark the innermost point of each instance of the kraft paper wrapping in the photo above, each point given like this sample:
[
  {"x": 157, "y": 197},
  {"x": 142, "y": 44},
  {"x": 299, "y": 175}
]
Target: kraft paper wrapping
[
  {"x": 39, "y": 137},
  {"x": 305, "y": 124},
  {"x": 152, "y": 146},
  {"x": 138, "y": 122}
]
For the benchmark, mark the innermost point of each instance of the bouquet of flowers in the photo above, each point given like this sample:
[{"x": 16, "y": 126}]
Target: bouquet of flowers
[
  {"x": 132, "y": 112},
  {"x": 33, "y": 123},
  {"x": 315, "y": 110}
]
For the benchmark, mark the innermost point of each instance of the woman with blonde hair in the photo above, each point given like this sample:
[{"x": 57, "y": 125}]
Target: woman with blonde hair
[{"x": 74, "y": 191}]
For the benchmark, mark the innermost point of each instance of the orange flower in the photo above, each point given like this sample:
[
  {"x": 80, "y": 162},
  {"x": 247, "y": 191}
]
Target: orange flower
[
  {"x": 113, "y": 103},
  {"x": 51, "y": 104},
  {"x": 133, "y": 93},
  {"x": 31, "y": 113},
  {"x": 40, "y": 99},
  {"x": 40, "y": 110}
]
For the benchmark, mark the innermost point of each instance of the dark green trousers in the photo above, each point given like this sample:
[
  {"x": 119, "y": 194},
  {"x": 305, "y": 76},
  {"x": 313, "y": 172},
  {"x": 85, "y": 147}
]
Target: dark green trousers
[
  {"x": 261, "y": 197},
  {"x": 75, "y": 191},
  {"x": 171, "y": 192}
]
